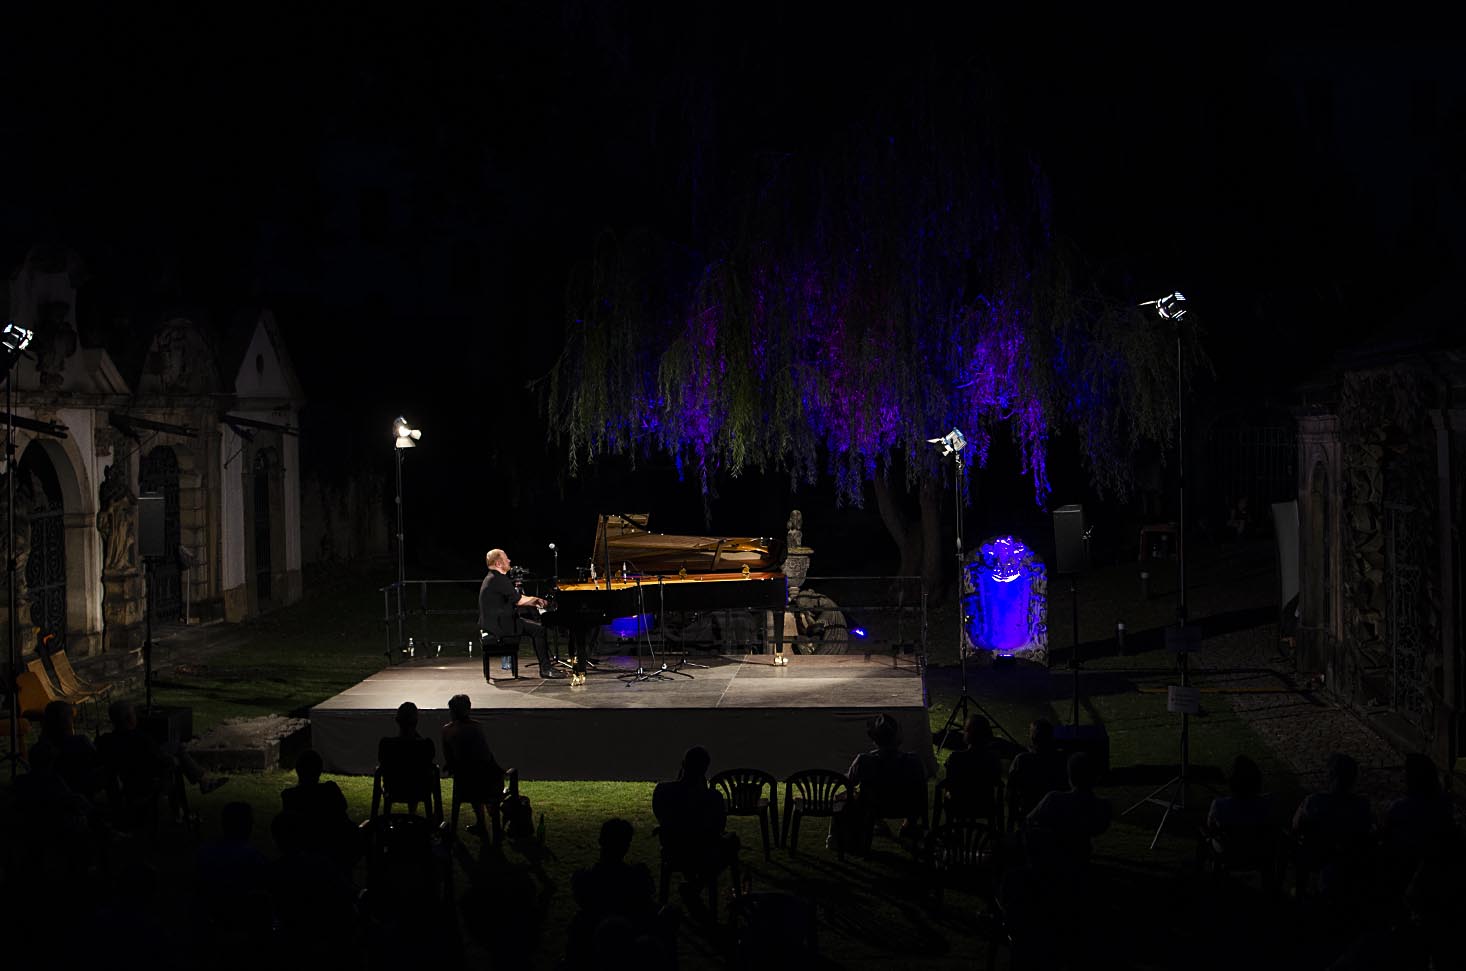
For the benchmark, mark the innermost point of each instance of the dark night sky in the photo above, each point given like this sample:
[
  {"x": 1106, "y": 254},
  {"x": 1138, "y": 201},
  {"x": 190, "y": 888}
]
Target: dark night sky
[{"x": 409, "y": 191}]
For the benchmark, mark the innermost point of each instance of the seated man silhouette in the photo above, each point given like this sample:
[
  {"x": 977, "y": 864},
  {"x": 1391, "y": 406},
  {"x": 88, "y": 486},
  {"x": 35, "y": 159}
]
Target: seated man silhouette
[
  {"x": 69, "y": 755},
  {"x": 974, "y": 776},
  {"x": 1035, "y": 773},
  {"x": 613, "y": 890},
  {"x": 405, "y": 761},
  {"x": 1063, "y": 824},
  {"x": 1239, "y": 826},
  {"x": 318, "y": 814},
  {"x": 889, "y": 783},
  {"x": 138, "y": 767},
  {"x": 1334, "y": 828},
  {"x": 477, "y": 778},
  {"x": 691, "y": 822}
]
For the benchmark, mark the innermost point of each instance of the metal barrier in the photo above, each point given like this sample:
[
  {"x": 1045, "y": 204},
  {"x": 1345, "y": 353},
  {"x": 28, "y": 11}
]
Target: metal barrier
[{"x": 830, "y": 615}]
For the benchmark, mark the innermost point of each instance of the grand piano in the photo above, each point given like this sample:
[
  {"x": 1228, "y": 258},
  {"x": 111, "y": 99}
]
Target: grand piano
[{"x": 641, "y": 572}]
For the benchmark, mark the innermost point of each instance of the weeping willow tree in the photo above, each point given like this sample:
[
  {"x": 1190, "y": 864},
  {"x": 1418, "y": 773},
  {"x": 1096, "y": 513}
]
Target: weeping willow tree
[{"x": 870, "y": 297}]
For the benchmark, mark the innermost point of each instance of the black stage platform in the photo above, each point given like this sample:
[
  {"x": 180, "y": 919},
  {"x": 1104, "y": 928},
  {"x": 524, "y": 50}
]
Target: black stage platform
[{"x": 810, "y": 713}]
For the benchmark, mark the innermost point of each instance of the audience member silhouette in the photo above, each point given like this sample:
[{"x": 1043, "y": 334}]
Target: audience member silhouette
[
  {"x": 1035, "y": 773},
  {"x": 138, "y": 768},
  {"x": 1334, "y": 829},
  {"x": 229, "y": 885},
  {"x": 319, "y": 813},
  {"x": 405, "y": 761},
  {"x": 477, "y": 777},
  {"x": 1245, "y": 805},
  {"x": 70, "y": 756},
  {"x": 314, "y": 904},
  {"x": 1073, "y": 817},
  {"x": 691, "y": 821},
  {"x": 609, "y": 889},
  {"x": 889, "y": 783},
  {"x": 974, "y": 774}
]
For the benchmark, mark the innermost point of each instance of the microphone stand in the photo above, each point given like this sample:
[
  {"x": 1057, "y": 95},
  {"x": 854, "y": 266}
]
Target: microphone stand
[{"x": 642, "y": 674}]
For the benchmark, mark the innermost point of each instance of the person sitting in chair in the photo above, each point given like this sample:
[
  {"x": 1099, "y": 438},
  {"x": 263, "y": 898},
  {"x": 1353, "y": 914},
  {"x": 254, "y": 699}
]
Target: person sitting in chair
[
  {"x": 612, "y": 889},
  {"x": 137, "y": 765},
  {"x": 405, "y": 761},
  {"x": 889, "y": 783},
  {"x": 319, "y": 811},
  {"x": 691, "y": 821},
  {"x": 498, "y": 616},
  {"x": 1071, "y": 818},
  {"x": 1035, "y": 773},
  {"x": 974, "y": 776},
  {"x": 477, "y": 778}
]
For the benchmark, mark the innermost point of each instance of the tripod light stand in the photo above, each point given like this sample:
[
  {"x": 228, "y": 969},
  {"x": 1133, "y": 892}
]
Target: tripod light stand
[
  {"x": 406, "y": 437},
  {"x": 952, "y": 444},
  {"x": 12, "y": 342},
  {"x": 1172, "y": 795}
]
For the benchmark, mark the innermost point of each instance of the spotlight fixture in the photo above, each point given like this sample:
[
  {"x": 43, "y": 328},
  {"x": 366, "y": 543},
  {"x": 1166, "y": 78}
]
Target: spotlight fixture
[
  {"x": 407, "y": 436},
  {"x": 1169, "y": 306},
  {"x": 953, "y": 441},
  {"x": 13, "y": 340}
]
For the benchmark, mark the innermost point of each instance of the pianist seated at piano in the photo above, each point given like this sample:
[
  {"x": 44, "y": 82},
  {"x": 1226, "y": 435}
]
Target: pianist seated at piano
[{"x": 499, "y": 620}]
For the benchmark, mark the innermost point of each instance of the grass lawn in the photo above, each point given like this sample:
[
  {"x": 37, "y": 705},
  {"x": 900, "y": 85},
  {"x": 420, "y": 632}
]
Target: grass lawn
[{"x": 873, "y": 911}]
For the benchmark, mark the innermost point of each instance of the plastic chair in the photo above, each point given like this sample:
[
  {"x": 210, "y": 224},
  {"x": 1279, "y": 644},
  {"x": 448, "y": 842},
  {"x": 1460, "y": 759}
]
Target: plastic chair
[
  {"x": 428, "y": 792},
  {"x": 743, "y": 795},
  {"x": 815, "y": 792},
  {"x": 961, "y": 847},
  {"x": 495, "y": 810},
  {"x": 949, "y": 803}
]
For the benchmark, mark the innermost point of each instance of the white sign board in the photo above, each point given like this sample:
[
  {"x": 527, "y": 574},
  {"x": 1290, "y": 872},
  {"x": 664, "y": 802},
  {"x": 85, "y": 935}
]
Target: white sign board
[{"x": 1183, "y": 700}]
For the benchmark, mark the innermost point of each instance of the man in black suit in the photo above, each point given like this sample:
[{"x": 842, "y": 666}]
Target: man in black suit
[{"x": 499, "y": 620}]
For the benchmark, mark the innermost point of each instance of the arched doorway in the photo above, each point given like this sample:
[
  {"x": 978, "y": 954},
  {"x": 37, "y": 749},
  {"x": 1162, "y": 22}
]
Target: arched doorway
[
  {"x": 158, "y": 473},
  {"x": 39, "y": 492},
  {"x": 266, "y": 466}
]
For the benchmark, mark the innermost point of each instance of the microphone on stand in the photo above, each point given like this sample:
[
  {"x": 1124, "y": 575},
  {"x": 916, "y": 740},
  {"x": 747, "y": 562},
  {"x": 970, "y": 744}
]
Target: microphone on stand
[{"x": 555, "y": 572}]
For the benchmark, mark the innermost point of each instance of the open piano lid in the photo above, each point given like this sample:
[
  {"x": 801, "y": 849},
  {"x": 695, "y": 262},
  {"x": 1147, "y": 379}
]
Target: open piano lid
[{"x": 645, "y": 552}]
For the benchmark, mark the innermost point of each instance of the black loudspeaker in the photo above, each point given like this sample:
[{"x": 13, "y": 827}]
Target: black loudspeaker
[
  {"x": 166, "y": 725},
  {"x": 1092, "y": 739},
  {"x": 1070, "y": 552},
  {"x": 150, "y": 524}
]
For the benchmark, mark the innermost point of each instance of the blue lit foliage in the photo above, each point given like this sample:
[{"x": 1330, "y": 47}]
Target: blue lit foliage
[
  {"x": 867, "y": 299},
  {"x": 1005, "y": 598}
]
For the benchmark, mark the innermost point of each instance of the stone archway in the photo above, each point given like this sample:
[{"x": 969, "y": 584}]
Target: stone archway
[{"x": 43, "y": 582}]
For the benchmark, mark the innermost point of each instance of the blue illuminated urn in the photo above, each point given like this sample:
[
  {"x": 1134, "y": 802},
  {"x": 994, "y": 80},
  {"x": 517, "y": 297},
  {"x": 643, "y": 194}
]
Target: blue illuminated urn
[{"x": 1005, "y": 600}]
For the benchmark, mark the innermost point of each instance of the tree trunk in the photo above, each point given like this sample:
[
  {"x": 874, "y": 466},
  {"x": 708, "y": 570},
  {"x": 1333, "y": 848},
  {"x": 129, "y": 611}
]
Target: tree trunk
[
  {"x": 899, "y": 525},
  {"x": 931, "y": 531}
]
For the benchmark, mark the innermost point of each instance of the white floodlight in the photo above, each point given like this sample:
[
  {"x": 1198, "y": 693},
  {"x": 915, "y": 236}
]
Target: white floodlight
[
  {"x": 1169, "y": 306},
  {"x": 407, "y": 436},
  {"x": 953, "y": 441}
]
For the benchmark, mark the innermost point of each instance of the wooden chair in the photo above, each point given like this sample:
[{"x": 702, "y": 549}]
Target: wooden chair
[
  {"x": 70, "y": 682},
  {"x": 36, "y": 692},
  {"x": 743, "y": 795},
  {"x": 815, "y": 792}
]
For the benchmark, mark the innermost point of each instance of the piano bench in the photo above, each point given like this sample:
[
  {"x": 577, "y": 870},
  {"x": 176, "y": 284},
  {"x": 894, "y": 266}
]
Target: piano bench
[{"x": 493, "y": 648}]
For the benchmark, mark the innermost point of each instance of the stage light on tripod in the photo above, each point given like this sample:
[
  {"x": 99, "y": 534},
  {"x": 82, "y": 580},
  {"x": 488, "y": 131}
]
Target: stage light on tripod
[
  {"x": 1169, "y": 306},
  {"x": 407, "y": 436},
  {"x": 953, "y": 441}
]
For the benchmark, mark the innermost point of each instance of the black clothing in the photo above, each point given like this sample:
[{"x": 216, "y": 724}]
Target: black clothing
[
  {"x": 502, "y": 626},
  {"x": 406, "y": 764},
  {"x": 478, "y": 777}
]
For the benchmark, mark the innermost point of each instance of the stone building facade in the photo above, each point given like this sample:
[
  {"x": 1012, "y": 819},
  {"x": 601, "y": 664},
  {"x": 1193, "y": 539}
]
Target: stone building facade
[
  {"x": 200, "y": 413},
  {"x": 1382, "y": 462}
]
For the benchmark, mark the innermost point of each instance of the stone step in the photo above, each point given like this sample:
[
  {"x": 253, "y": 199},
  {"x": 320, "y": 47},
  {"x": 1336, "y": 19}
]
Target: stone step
[{"x": 252, "y": 744}]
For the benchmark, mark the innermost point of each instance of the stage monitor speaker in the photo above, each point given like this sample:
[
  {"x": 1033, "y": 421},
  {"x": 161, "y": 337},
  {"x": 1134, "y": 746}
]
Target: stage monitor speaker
[
  {"x": 150, "y": 524},
  {"x": 1070, "y": 553},
  {"x": 166, "y": 725}
]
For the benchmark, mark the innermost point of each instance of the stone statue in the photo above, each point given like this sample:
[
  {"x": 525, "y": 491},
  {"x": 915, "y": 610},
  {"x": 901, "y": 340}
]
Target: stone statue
[
  {"x": 794, "y": 539},
  {"x": 117, "y": 522}
]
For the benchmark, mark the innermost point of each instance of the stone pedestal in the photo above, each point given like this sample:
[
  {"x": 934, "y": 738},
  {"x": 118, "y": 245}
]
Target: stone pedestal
[
  {"x": 796, "y": 567},
  {"x": 122, "y": 611}
]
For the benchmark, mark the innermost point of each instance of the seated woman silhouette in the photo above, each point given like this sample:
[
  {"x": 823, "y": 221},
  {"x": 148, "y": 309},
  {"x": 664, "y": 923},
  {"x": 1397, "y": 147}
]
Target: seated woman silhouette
[
  {"x": 478, "y": 780},
  {"x": 405, "y": 761}
]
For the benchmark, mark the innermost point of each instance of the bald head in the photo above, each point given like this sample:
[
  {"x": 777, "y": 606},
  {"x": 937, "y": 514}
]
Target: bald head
[{"x": 497, "y": 560}]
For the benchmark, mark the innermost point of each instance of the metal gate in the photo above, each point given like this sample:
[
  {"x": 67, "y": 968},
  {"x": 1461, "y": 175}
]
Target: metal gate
[
  {"x": 158, "y": 472},
  {"x": 45, "y": 572},
  {"x": 263, "y": 469}
]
